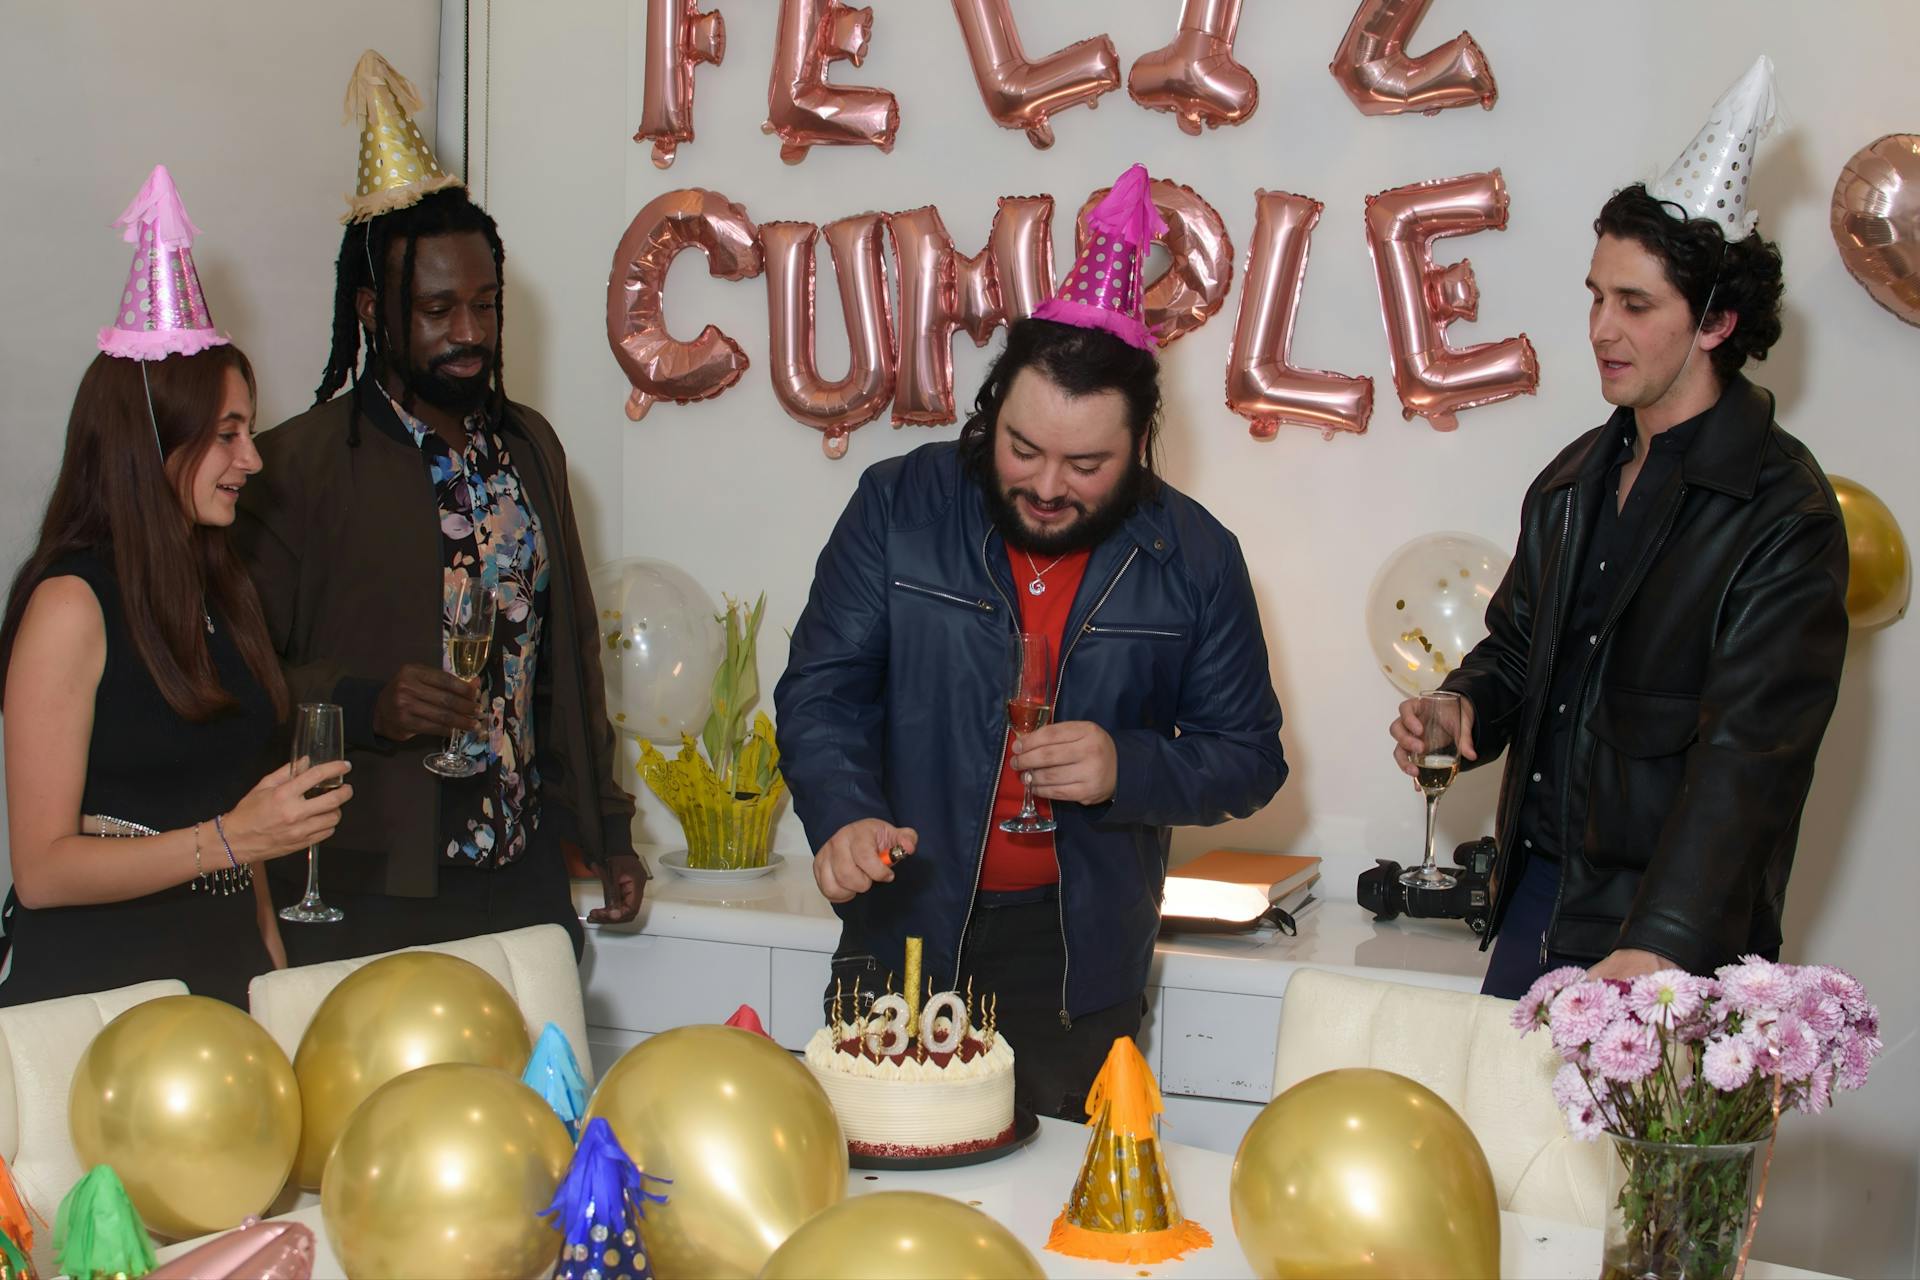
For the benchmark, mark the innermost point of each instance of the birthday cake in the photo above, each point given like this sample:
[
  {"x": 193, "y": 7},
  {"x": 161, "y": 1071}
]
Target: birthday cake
[{"x": 909, "y": 1083}]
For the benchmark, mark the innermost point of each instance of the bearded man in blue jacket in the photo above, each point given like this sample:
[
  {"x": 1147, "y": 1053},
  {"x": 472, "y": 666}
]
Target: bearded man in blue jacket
[{"x": 1046, "y": 516}]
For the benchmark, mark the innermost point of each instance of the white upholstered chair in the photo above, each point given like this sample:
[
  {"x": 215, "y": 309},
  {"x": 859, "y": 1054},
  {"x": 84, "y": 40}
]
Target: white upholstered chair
[
  {"x": 40, "y": 1046},
  {"x": 535, "y": 965},
  {"x": 1464, "y": 1048}
]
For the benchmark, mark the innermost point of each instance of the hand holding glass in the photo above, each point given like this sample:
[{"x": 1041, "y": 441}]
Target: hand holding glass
[
  {"x": 1029, "y": 683},
  {"x": 469, "y": 636},
  {"x": 1433, "y": 770},
  {"x": 318, "y": 738}
]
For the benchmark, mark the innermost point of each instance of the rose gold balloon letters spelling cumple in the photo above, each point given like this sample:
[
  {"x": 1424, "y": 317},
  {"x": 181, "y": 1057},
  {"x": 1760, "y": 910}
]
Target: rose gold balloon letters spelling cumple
[{"x": 900, "y": 342}]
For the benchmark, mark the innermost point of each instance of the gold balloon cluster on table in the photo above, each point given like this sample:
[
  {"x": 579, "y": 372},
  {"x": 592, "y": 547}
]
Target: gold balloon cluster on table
[
  {"x": 395, "y": 1015},
  {"x": 194, "y": 1106},
  {"x": 1360, "y": 1172},
  {"x": 1880, "y": 571},
  {"x": 902, "y": 1235},
  {"x": 747, "y": 1137},
  {"x": 443, "y": 1172}
]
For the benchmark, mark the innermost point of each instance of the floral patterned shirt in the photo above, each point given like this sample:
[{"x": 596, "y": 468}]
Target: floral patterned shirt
[{"x": 488, "y": 525}]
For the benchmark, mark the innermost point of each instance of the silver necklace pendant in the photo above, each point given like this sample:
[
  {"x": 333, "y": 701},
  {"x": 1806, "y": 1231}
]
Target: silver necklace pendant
[
  {"x": 209, "y": 618},
  {"x": 1036, "y": 588}
]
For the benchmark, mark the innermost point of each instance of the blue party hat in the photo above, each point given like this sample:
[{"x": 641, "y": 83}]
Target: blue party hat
[
  {"x": 554, "y": 1073},
  {"x": 598, "y": 1209}
]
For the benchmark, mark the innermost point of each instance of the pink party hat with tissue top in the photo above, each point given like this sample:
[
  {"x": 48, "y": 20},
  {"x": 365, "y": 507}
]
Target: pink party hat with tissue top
[
  {"x": 162, "y": 310},
  {"x": 1107, "y": 288}
]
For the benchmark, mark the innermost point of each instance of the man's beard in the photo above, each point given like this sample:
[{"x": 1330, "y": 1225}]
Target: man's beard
[
  {"x": 1095, "y": 525},
  {"x": 448, "y": 393}
]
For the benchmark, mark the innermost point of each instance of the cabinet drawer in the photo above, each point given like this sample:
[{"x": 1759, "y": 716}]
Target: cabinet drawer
[
  {"x": 798, "y": 979},
  {"x": 656, "y": 984},
  {"x": 1216, "y": 1045}
]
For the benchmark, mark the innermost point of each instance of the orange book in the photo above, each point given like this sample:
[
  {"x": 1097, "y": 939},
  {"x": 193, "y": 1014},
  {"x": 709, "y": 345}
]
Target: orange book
[{"x": 1277, "y": 874}]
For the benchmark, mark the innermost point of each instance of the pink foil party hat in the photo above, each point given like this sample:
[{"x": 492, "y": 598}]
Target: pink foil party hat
[
  {"x": 162, "y": 310},
  {"x": 1106, "y": 288}
]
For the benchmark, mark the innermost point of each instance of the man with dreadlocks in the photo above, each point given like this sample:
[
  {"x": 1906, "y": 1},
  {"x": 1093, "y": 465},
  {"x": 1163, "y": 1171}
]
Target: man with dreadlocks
[{"x": 389, "y": 495}]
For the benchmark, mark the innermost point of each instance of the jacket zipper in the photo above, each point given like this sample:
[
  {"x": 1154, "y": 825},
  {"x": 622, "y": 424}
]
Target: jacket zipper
[
  {"x": 1553, "y": 649},
  {"x": 1092, "y": 630},
  {"x": 1059, "y": 682},
  {"x": 984, "y": 606},
  {"x": 993, "y": 792},
  {"x": 1580, "y": 691}
]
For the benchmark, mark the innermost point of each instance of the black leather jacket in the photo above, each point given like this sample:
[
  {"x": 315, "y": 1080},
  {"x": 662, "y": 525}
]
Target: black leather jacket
[{"x": 1702, "y": 704}]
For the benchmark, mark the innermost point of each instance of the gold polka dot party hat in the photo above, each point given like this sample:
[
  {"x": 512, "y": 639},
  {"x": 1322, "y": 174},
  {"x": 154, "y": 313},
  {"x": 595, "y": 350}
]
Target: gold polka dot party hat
[
  {"x": 1122, "y": 1208},
  {"x": 395, "y": 165}
]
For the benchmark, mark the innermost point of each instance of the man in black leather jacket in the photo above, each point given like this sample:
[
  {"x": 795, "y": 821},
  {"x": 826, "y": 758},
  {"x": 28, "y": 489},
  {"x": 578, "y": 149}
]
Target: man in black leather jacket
[
  {"x": 1665, "y": 651},
  {"x": 893, "y": 717}
]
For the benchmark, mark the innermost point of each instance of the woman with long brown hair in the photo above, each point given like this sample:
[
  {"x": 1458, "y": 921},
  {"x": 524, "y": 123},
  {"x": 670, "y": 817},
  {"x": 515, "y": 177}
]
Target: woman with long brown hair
[{"x": 141, "y": 690}]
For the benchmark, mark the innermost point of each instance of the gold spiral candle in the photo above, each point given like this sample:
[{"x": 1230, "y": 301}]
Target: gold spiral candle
[{"x": 912, "y": 988}]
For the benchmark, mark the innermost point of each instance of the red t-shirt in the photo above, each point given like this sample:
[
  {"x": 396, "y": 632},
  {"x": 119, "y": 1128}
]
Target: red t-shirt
[{"x": 1027, "y": 862}]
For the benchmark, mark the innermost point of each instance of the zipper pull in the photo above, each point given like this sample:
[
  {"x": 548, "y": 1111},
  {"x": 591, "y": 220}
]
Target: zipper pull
[
  {"x": 1066, "y": 1023},
  {"x": 1543, "y": 948}
]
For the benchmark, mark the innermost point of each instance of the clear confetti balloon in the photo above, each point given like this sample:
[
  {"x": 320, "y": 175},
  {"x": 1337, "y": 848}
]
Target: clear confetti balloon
[
  {"x": 1427, "y": 606},
  {"x": 660, "y": 643}
]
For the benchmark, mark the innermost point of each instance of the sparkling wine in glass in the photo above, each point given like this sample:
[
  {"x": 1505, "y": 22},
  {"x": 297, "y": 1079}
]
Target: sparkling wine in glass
[
  {"x": 469, "y": 633},
  {"x": 318, "y": 738},
  {"x": 1433, "y": 770},
  {"x": 1029, "y": 707}
]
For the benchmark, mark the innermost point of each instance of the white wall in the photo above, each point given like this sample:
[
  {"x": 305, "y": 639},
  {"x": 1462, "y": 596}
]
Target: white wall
[
  {"x": 242, "y": 103},
  {"x": 1591, "y": 98}
]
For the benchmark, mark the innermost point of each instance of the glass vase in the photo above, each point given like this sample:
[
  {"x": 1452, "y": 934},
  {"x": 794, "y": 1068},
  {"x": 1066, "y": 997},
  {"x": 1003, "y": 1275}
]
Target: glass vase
[{"x": 1678, "y": 1211}]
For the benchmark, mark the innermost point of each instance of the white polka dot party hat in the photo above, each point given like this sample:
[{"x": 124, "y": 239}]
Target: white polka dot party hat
[
  {"x": 162, "y": 311},
  {"x": 1709, "y": 180},
  {"x": 395, "y": 165}
]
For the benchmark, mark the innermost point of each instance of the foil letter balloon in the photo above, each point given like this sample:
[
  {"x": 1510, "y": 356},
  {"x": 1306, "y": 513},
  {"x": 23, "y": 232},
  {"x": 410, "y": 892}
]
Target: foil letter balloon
[
  {"x": 802, "y": 107},
  {"x": 1876, "y": 222},
  {"x": 1196, "y": 77},
  {"x": 1419, "y": 299},
  {"x": 659, "y": 366},
  {"x": 1199, "y": 273},
  {"x": 679, "y": 38},
  {"x": 1262, "y": 382},
  {"x": 1382, "y": 79},
  {"x": 832, "y": 408},
  {"x": 940, "y": 292},
  {"x": 1021, "y": 93}
]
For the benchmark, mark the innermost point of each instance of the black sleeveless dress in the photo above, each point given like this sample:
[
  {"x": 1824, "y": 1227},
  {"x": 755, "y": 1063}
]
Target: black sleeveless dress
[{"x": 146, "y": 764}]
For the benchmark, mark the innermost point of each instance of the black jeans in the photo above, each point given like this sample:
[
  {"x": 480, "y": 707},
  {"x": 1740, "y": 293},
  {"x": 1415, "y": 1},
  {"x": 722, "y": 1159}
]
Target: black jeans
[
  {"x": 533, "y": 889},
  {"x": 1014, "y": 954}
]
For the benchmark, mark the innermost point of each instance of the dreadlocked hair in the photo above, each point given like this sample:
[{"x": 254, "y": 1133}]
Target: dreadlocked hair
[{"x": 365, "y": 244}]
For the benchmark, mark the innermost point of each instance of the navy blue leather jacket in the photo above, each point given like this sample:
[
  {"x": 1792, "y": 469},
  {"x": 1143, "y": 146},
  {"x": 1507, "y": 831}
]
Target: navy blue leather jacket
[{"x": 892, "y": 707}]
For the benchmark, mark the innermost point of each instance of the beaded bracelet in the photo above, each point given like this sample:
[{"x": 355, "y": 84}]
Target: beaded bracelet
[{"x": 234, "y": 877}]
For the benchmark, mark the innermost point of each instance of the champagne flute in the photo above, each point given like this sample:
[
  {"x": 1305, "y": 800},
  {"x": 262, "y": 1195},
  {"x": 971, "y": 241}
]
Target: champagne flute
[
  {"x": 469, "y": 637},
  {"x": 318, "y": 738},
  {"x": 1433, "y": 770},
  {"x": 1029, "y": 707}
]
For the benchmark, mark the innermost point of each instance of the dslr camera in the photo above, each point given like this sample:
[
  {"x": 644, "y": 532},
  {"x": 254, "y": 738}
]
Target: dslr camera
[{"x": 1381, "y": 892}]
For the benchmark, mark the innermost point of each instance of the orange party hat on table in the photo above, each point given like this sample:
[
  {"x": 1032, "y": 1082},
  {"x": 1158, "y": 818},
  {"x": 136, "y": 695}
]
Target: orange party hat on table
[{"x": 1123, "y": 1208}]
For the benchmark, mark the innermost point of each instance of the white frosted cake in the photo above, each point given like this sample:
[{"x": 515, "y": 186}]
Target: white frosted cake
[{"x": 946, "y": 1091}]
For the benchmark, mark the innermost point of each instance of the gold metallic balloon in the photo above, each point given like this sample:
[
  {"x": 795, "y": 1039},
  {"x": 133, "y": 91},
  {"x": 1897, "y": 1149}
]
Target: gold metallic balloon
[
  {"x": 444, "y": 1173},
  {"x": 901, "y": 1235},
  {"x": 398, "y": 1013},
  {"x": 1361, "y": 1172},
  {"x": 194, "y": 1106},
  {"x": 749, "y": 1139},
  {"x": 1879, "y": 569}
]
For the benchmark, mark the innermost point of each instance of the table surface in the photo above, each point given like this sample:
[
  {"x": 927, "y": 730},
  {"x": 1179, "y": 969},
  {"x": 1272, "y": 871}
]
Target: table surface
[
  {"x": 784, "y": 909},
  {"x": 1026, "y": 1189}
]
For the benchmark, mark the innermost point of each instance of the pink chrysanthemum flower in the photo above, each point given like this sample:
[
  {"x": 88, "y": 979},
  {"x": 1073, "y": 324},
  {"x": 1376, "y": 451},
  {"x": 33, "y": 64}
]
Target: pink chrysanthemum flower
[
  {"x": 1584, "y": 1121},
  {"x": 1527, "y": 1014},
  {"x": 1626, "y": 1051},
  {"x": 1758, "y": 988},
  {"x": 1728, "y": 1062},
  {"x": 1791, "y": 1049},
  {"x": 1857, "y": 1053},
  {"x": 1812, "y": 1097},
  {"x": 1581, "y": 1012},
  {"x": 1666, "y": 998},
  {"x": 1570, "y": 1087}
]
